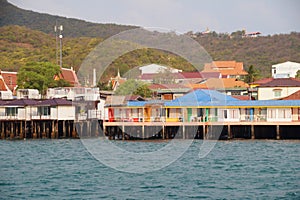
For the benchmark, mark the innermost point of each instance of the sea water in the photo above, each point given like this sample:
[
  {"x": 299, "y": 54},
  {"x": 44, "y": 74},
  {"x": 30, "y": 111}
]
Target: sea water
[{"x": 64, "y": 169}]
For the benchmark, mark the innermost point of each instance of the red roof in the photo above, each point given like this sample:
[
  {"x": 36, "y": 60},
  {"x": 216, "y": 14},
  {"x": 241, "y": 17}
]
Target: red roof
[
  {"x": 282, "y": 82},
  {"x": 2, "y": 85},
  {"x": 166, "y": 86},
  {"x": 262, "y": 81},
  {"x": 294, "y": 96},
  {"x": 10, "y": 79},
  {"x": 70, "y": 76},
  {"x": 243, "y": 97},
  {"x": 184, "y": 75}
]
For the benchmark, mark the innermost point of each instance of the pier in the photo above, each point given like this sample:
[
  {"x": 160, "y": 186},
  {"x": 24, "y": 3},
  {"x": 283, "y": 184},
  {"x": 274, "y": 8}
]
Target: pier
[{"x": 204, "y": 130}]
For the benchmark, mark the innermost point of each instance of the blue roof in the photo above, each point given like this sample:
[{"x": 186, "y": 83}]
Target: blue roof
[
  {"x": 205, "y": 98},
  {"x": 202, "y": 98}
]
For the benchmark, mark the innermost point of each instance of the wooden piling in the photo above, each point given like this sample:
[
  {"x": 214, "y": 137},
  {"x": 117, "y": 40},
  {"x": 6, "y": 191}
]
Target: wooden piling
[
  {"x": 277, "y": 132},
  {"x": 229, "y": 132},
  {"x": 252, "y": 132}
]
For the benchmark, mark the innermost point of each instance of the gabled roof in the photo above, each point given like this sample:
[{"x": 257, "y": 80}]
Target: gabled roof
[
  {"x": 225, "y": 68},
  {"x": 282, "y": 82},
  {"x": 3, "y": 86},
  {"x": 184, "y": 75},
  {"x": 167, "y": 86},
  {"x": 54, "y": 102},
  {"x": 294, "y": 96},
  {"x": 70, "y": 76},
  {"x": 22, "y": 102},
  {"x": 261, "y": 81},
  {"x": 243, "y": 97},
  {"x": 224, "y": 83},
  {"x": 199, "y": 97},
  {"x": 134, "y": 98},
  {"x": 10, "y": 79}
]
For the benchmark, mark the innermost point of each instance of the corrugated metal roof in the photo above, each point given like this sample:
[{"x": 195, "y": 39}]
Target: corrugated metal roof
[
  {"x": 211, "y": 98},
  {"x": 282, "y": 82}
]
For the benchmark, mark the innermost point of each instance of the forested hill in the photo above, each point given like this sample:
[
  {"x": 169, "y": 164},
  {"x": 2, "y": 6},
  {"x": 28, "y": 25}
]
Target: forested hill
[
  {"x": 12, "y": 15},
  {"x": 261, "y": 52},
  {"x": 34, "y": 41},
  {"x": 19, "y": 45}
]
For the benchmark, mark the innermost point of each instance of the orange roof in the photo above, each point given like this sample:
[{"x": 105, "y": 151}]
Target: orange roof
[
  {"x": 225, "y": 67},
  {"x": 10, "y": 79},
  {"x": 70, "y": 76},
  {"x": 216, "y": 83}
]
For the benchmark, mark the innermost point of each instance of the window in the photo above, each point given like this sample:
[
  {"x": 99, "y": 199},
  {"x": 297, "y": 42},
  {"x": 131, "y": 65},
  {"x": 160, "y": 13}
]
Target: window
[
  {"x": 277, "y": 93},
  {"x": 44, "y": 110},
  {"x": 11, "y": 111},
  {"x": 225, "y": 114}
]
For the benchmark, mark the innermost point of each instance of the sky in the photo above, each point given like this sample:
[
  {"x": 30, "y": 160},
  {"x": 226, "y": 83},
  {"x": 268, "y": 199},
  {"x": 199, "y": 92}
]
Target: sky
[{"x": 223, "y": 16}]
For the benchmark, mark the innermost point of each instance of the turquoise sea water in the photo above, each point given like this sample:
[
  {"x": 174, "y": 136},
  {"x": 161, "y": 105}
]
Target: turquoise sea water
[{"x": 64, "y": 169}]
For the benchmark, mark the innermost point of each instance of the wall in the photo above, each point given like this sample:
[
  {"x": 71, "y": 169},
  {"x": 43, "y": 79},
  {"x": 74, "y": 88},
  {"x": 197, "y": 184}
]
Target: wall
[
  {"x": 267, "y": 93},
  {"x": 279, "y": 115},
  {"x": 66, "y": 112}
]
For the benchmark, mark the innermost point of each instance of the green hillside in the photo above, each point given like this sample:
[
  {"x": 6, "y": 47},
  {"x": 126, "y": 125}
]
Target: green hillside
[
  {"x": 261, "y": 52},
  {"x": 20, "y": 45},
  {"x": 34, "y": 41},
  {"x": 12, "y": 15}
]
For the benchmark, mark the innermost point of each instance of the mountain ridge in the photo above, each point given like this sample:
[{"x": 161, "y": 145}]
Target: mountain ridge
[{"x": 13, "y": 15}]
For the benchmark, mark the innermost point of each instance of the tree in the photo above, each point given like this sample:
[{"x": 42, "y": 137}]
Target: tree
[
  {"x": 132, "y": 87},
  {"x": 39, "y": 75},
  {"x": 253, "y": 74},
  {"x": 298, "y": 74}
]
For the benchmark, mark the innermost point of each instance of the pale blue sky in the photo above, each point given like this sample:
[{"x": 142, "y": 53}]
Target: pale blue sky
[{"x": 266, "y": 16}]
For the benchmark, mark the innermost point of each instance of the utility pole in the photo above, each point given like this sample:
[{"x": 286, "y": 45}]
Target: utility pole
[{"x": 58, "y": 33}]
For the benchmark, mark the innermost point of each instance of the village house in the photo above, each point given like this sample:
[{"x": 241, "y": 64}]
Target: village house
[
  {"x": 169, "y": 91},
  {"x": 228, "y": 69},
  {"x": 180, "y": 77},
  {"x": 285, "y": 70},
  {"x": 8, "y": 84},
  {"x": 278, "y": 88},
  {"x": 228, "y": 86},
  {"x": 155, "y": 69}
]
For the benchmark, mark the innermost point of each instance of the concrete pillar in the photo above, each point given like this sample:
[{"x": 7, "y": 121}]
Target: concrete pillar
[
  {"x": 143, "y": 131},
  {"x": 183, "y": 132},
  {"x": 163, "y": 132}
]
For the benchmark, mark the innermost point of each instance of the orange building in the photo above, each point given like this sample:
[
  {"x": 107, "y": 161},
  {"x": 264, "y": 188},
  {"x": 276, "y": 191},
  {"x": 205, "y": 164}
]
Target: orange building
[{"x": 228, "y": 69}]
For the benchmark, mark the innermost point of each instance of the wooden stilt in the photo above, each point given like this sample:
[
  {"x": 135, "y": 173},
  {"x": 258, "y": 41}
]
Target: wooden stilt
[
  {"x": 229, "y": 132},
  {"x": 3, "y": 131},
  {"x": 21, "y": 130},
  {"x": 204, "y": 132},
  {"x": 252, "y": 132},
  {"x": 277, "y": 132},
  {"x": 12, "y": 134}
]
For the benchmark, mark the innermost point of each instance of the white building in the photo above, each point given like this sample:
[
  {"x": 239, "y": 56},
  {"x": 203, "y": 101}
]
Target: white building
[
  {"x": 285, "y": 70},
  {"x": 72, "y": 93},
  {"x": 155, "y": 69},
  {"x": 28, "y": 94}
]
